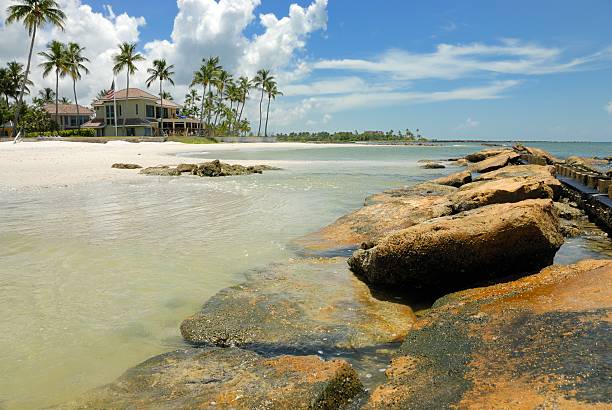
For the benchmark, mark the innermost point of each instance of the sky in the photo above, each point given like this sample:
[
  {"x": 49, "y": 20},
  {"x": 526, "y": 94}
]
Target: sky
[{"x": 473, "y": 69}]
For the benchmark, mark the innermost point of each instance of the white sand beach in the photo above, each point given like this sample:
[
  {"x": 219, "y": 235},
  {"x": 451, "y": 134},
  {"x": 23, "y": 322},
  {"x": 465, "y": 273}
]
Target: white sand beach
[{"x": 58, "y": 163}]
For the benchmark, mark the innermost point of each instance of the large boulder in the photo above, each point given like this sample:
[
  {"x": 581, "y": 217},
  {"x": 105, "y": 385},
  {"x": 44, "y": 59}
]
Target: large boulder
[
  {"x": 536, "y": 343},
  {"x": 306, "y": 305},
  {"x": 495, "y": 162},
  {"x": 503, "y": 190},
  {"x": 163, "y": 171},
  {"x": 543, "y": 172},
  {"x": 227, "y": 379},
  {"x": 486, "y": 153},
  {"x": 383, "y": 213},
  {"x": 538, "y": 153},
  {"x": 461, "y": 250},
  {"x": 457, "y": 179}
]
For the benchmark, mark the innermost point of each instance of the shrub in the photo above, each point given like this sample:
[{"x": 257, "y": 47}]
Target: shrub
[{"x": 83, "y": 132}]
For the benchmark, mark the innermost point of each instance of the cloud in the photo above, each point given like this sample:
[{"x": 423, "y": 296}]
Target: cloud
[
  {"x": 450, "y": 62},
  {"x": 608, "y": 107},
  {"x": 468, "y": 124},
  {"x": 202, "y": 28}
]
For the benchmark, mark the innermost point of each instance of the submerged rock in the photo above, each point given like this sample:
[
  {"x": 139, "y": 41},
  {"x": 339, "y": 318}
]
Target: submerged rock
[
  {"x": 432, "y": 165},
  {"x": 214, "y": 168},
  {"x": 190, "y": 168},
  {"x": 120, "y": 165},
  {"x": 461, "y": 250},
  {"x": 539, "y": 342},
  {"x": 307, "y": 306},
  {"x": 456, "y": 179},
  {"x": 383, "y": 213},
  {"x": 227, "y": 378},
  {"x": 495, "y": 162}
]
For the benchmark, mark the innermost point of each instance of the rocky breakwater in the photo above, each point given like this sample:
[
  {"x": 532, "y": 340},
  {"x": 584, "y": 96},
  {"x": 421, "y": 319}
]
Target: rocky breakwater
[
  {"x": 214, "y": 168},
  {"x": 538, "y": 342}
]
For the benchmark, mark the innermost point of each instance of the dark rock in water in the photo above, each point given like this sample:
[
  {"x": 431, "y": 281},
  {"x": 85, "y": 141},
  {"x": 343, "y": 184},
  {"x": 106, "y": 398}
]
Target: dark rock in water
[
  {"x": 227, "y": 378},
  {"x": 307, "y": 305},
  {"x": 219, "y": 169},
  {"x": 456, "y": 180},
  {"x": 126, "y": 166},
  {"x": 495, "y": 162},
  {"x": 163, "y": 171},
  {"x": 190, "y": 168},
  {"x": 455, "y": 252},
  {"x": 432, "y": 165},
  {"x": 539, "y": 342},
  {"x": 383, "y": 213},
  {"x": 484, "y": 154}
]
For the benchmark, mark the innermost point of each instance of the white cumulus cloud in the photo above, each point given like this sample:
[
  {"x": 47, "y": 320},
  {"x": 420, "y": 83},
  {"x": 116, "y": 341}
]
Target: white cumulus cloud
[{"x": 608, "y": 107}]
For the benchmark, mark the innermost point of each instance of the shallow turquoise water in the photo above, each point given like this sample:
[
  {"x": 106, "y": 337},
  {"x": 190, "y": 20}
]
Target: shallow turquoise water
[{"x": 96, "y": 278}]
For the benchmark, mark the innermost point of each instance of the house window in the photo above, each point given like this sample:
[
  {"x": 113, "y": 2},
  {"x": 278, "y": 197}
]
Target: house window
[
  {"x": 73, "y": 121},
  {"x": 120, "y": 114},
  {"x": 136, "y": 109},
  {"x": 165, "y": 113},
  {"x": 150, "y": 111},
  {"x": 147, "y": 132}
]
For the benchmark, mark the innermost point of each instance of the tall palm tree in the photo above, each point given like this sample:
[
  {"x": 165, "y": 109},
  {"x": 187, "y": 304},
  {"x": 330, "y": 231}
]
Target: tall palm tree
[
  {"x": 17, "y": 77},
  {"x": 233, "y": 96},
  {"x": 74, "y": 66},
  {"x": 65, "y": 100},
  {"x": 163, "y": 72},
  {"x": 245, "y": 86},
  {"x": 47, "y": 95},
  {"x": 191, "y": 102},
  {"x": 273, "y": 92},
  {"x": 4, "y": 83},
  {"x": 205, "y": 77},
  {"x": 260, "y": 81},
  {"x": 55, "y": 60},
  {"x": 33, "y": 14},
  {"x": 102, "y": 93},
  {"x": 126, "y": 60},
  {"x": 221, "y": 82}
]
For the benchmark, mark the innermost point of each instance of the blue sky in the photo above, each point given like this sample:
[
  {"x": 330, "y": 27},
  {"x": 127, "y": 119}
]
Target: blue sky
[{"x": 455, "y": 69}]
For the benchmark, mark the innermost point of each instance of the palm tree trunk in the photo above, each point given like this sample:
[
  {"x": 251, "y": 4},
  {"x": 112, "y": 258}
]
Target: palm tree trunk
[
  {"x": 25, "y": 80},
  {"x": 57, "y": 98},
  {"x": 127, "y": 94},
  {"x": 208, "y": 114},
  {"x": 201, "y": 131},
  {"x": 260, "y": 113},
  {"x": 76, "y": 101},
  {"x": 161, "y": 103},
  {"x": 267, "y": 115}
]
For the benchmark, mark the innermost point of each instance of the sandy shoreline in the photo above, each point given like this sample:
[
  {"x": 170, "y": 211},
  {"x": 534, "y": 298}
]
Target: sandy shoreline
[{"x": 55, "y": 163}]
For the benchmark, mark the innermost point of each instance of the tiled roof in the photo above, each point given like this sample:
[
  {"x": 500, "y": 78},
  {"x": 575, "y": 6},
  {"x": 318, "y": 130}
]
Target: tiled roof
[
  {"x": 94, "y": 123},
  {"x": 65, "y": 109},
  {"x": 137, "y": 93}
]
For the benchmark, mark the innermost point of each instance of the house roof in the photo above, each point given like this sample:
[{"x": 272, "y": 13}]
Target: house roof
[
  {"x": 137, "y": 94},
  {"x": 67, "y": 109},
  {"x": 94, "y": 123}
]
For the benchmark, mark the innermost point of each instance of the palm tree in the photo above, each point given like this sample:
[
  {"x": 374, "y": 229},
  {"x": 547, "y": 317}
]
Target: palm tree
[
  {"x": 167, "y": 96},
  {"x": 245, "y": 85},
  {"x": 163, "y": 72},
  {"x": 74, "y": 66},
  {"x": 65, "y": 100},
  {"x": 102, "y": 94},
  {"x": 4, "y": 83},
  {"x": 205, "y": 77},
  {"x": 47, "y": 95},
  {"x": 191, "y": 102},
  {"x": 234, "y": 95},
  {"x": 33, "y": 13},
  {"x": 260, "y": 81},
  {"x": 273, "y": 92},
  {"x": 15, "y": 78},
  {"x": 221, "y": 82},
  {"x": 55, "y": 60},
  {"x": 126, "y": 60}
]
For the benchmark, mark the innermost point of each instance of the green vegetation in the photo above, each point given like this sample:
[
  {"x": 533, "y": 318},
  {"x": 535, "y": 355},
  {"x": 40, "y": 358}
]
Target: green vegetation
[
  {"x": 192, "y": 140},
  {"x": 347, "y": 136},
  {"x": 63, "y": 133}
]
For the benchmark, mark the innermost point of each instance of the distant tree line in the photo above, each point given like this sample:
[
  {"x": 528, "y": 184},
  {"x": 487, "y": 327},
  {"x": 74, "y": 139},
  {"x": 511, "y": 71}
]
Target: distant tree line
[{"x": 348, "y": 136}]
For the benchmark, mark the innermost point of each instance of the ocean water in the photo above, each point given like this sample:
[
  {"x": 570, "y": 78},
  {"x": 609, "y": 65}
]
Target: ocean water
[{"x": 96, "y": 278}]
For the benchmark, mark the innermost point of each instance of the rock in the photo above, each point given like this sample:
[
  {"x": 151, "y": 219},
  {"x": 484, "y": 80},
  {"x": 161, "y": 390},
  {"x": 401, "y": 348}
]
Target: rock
[
  {"x": 456, "y": 180},
  {"x": 383, "y": 213},
  {"x": 126, "y": 166},
  {"x": 503, "y": 190},
  {"x": 536, "y": 152},
  {"x": 565, "y": 211},
  {"x": 539, "y": 171},
  {"x": 227, "y": 378},
  {"x": 432, "y": 165},
  {"x": 462, "y": 162},
  {"x": 186, "y": 168},
  {"x": 164, "y": 171},
  {"x": 219, "y": 169},
  {"x": 539, "y": 342},
  {"x": 494, "y": 162},
  {"x": 464, "y": 249},
  {"x": 307, "y": 305},
  {"x": 484, "y": 154}
]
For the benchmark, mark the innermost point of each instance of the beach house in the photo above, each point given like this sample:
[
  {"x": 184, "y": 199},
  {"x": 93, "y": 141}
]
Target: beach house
[
  {"x": 68, "y": 117},
  {"x": 140, "y": 116}
]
